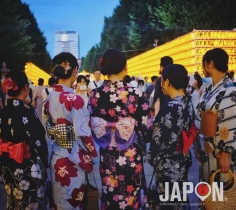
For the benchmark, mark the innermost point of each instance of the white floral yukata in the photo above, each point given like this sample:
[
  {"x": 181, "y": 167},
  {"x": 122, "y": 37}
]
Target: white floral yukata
[
  {"x": 221, "y": 97},
  {"x": 25, "y": 182},
  {"x": 70, "y": 157}
]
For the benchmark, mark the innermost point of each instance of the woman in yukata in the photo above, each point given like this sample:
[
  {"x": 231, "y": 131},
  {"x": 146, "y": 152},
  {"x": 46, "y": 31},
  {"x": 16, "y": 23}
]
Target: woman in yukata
[
  {"x": 216, "y": 146},
  {"x": 73, "y": 147},
  {"x": 173, "y": 133},
  {"x": 23, "y": 148},
  {"x": 119, "y": 119}
]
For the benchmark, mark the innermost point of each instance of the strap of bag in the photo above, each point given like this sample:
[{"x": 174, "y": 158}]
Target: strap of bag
[
  {"x": 95, "y": 84},
  {"x": 46, "y": 90},
  {"x": 154, "y": 169}
]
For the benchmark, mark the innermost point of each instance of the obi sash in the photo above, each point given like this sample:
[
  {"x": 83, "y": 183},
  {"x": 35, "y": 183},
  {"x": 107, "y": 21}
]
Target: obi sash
[
  {"x": 62, "y": 133},
  {"x": 15, "y": 151},
  {"x": 124, "y": 132},
  {"x": 186, "y": 139}
]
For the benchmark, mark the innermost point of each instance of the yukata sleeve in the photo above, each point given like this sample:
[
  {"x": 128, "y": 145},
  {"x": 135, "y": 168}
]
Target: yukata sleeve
[
  {"x": 226, "y": 130},
  {"x": 36, "y": 133},
  {"x": 165, "y": 133},
  {"x": 81, "y": 122}
]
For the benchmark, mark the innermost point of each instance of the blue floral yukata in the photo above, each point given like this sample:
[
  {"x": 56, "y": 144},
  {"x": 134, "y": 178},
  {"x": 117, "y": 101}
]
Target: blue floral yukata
[
  {"x": 170, "y": 163},
  {"x": 73, "y": 148}
]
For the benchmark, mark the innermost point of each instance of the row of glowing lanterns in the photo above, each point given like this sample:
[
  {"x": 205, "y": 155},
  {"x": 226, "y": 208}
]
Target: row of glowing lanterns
[{"x": 186, "y": 50}]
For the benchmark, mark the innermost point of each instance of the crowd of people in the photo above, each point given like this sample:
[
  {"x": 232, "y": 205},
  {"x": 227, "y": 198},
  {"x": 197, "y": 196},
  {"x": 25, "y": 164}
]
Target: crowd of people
[{"x": 120, "y": 115}]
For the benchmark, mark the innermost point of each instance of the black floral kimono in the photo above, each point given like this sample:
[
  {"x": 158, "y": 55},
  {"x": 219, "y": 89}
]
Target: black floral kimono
[
  {"x": 171, "y": 165},
  {"x": 24, "y": 155},
  {"x": 119, "y": 119}
]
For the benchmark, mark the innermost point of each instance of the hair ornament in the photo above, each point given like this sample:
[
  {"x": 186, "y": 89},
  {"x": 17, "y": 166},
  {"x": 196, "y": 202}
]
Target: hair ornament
[
  {"x": 65, "y": 65},
  {"x": 9, "y": 84},
  {"x": 100, "y": 62}
]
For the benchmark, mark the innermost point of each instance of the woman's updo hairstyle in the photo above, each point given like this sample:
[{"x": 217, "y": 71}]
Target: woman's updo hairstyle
[
  {"x": 112, "y": 62},
  {"x": 63, "y": 65},
  {"x": 177, "y": 76},
  {"x": 219, "y": 57},
  {"x": 15, "y": 81}
]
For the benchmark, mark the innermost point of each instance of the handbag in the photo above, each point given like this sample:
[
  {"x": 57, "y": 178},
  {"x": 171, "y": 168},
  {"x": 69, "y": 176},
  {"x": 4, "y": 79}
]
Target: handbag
[
  {"x": 208, "y": 123},
  {"x": 152, "y": 193},
  {"x": 91, "y": 195},
  {"x": 229, "y": 195}
]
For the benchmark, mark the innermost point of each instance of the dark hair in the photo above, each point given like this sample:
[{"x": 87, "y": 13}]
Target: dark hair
[
  {"x": 219, "y": 57},
  {"x": 133, "y": 77},
  {"x": 20, "y": 80},
  {"x": 140, "y": 83},
  {"x": 177, "y": 75},
  {"x": 98, "y": 69},
  {"x": 198, "y": 78},
  {"x": 66, "y": 59},
  {"x": 230, "y": 74},
  {"x": 127, "y": 79},
  {"x": 80, "y": 77},
  {"x": 153, "y": 78},
  {"x": 40, "y": 81},
  {"x": 51, "y": 81},
  {"x": 113, "y": 62},
  {"x": 165, "y": 61}
]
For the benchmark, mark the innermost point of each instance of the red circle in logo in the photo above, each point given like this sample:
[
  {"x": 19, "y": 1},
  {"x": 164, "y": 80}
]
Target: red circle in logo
[{"x": 202, "y": 189}]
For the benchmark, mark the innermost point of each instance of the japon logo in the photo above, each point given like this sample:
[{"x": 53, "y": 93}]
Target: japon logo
[{"x": 202, "y": 190}]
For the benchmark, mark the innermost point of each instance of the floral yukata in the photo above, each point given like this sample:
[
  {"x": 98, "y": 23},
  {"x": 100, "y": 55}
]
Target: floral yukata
[
  {"x": 73, "y": 149},
  {"x": 119, "y": 119},
  {"x": 220, "y": 99},
  {"x": 25, "y": 159},
  {"x": 169, "y": 161}
]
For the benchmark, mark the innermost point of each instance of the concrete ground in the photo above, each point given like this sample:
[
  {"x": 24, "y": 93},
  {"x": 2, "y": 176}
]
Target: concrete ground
[{"x": 193, "y": 177}]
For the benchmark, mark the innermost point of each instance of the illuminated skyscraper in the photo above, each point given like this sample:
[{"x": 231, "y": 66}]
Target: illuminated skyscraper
[{"x": 67, "y": 41}]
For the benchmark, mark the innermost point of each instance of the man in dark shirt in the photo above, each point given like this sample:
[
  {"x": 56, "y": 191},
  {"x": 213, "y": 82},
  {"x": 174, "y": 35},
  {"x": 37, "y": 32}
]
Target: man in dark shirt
[
  {"x": 151, "y": 87},
  {"x": 159, "y": 97}
]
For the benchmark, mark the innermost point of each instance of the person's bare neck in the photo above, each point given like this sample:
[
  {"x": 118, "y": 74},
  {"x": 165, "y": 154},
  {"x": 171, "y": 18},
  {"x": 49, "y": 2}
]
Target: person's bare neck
[
  {"x": 174, "y": 93},
  {"x": 217, "y": 76},
  {"x": 65, "y": 82},
  {"x": 115, "y": 77}
]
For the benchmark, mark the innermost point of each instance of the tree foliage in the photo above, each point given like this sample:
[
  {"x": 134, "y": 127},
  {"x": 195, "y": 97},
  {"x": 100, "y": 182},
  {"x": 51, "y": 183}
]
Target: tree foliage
[
  {"x": 21, "y": 40},
  {"x": 136, "y": 23}
]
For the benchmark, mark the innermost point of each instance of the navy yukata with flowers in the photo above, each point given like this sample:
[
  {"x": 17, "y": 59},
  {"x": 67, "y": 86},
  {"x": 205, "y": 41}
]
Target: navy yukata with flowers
[
  {"x": 170, "y": 163},
  {"x": 73, "y": 148},
  {"x": 221, "y": 99},
  {"x": 119, "y": 116},
  {"x": 25, "y": 182}
]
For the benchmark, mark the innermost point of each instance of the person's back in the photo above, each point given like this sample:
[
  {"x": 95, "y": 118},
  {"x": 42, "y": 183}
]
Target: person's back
[
  {"x": 69, "y": 125},
  {"x": 118, "y": 122},
  {"x": 159, "y": 97}
]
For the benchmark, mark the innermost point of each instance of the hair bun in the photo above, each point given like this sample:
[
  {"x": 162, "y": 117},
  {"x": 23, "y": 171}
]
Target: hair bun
[{"x": 104, "y": 70}]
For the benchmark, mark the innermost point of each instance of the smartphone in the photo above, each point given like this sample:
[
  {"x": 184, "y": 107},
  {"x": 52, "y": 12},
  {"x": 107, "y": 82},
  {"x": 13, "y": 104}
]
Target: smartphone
[{"x": 83, "y": 87}]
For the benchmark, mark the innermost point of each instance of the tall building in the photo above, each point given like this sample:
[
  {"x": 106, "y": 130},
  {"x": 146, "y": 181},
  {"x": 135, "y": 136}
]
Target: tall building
[{"x": 67, "y": 41}]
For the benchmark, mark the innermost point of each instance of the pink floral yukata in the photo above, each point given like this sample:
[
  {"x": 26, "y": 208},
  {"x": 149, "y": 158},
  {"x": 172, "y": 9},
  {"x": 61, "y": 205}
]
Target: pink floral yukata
[
  {"x": 119, "y": 118},
  {"x": 71, "y": 156}
]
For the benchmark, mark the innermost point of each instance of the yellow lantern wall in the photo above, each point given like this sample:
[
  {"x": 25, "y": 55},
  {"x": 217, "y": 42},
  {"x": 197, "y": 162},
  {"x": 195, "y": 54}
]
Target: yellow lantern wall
[
  {"x": 186, "y": 50},
  {"x": 34, "y": 73}
]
